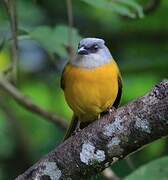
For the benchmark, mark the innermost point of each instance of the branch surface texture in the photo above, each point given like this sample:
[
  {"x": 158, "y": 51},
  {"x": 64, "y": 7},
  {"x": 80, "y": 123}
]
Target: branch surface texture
[{"x": 113, "y": 137}]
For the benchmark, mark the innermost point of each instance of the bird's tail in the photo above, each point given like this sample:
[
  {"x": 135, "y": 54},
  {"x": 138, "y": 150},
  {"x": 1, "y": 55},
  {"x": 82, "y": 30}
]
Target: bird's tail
[{"x": 72, "y": 127}]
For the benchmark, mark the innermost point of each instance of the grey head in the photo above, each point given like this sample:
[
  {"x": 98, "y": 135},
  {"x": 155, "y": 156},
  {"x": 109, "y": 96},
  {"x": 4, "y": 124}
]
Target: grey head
[
  {"x": 90, "y": 45},
  {"x": 92, "y": 53}
]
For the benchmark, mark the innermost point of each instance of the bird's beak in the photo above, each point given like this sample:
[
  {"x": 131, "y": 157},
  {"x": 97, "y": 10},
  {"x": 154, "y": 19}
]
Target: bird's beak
[{"x": 82, "y": 51}]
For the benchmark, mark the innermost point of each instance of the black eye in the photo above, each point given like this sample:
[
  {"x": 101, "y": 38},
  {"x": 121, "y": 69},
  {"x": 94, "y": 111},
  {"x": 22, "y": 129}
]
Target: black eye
[{"x": 95, "y": 47}]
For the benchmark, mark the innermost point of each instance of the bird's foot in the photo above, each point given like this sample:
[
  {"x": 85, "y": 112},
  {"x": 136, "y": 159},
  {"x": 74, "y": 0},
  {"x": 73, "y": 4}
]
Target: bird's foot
[
  {"x": 111, "y": 110},
  {"x": 77, "y": 130}
]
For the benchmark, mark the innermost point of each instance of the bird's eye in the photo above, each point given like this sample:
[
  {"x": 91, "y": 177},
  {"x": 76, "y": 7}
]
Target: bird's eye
[{"x": 95, "y": 47}]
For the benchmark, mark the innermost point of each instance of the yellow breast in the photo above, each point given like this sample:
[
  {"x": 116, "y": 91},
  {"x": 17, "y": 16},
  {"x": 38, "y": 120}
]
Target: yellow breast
[{"x": 90, "y": 91}]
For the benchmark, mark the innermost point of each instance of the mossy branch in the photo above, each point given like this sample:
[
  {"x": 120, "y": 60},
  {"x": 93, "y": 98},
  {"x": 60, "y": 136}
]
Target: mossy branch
[{"x": 113, "y": 137}]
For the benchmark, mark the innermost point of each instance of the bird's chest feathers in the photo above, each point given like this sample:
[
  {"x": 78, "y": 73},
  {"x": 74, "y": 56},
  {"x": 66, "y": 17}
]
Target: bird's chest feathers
[{"x": 91, "y": 88}]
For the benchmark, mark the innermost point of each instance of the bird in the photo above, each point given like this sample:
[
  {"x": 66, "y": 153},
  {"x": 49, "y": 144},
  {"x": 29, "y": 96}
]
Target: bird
[{"x": 91, "y": 82}]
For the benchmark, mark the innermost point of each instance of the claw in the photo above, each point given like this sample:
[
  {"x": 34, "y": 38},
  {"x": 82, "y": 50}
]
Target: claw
[
  {"x": 111, "y": 110},
  {"x": 78, "y": 129}
]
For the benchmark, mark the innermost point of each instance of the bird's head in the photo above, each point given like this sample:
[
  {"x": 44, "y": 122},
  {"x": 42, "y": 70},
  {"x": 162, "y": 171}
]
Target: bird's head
[{"x": 92, "y": 53}]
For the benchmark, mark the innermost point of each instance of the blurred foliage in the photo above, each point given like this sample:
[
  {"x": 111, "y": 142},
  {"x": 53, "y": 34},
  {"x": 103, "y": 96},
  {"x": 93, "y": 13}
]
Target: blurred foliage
[
  {"x": 4, "y": 60},
  {"x": 54, "y": 40},
  {"x": 128, "y": 8},
  {"x": 7, "y": 141},
  {"x": 139, "y": 45},
  {"x": 155, "y": 170}
]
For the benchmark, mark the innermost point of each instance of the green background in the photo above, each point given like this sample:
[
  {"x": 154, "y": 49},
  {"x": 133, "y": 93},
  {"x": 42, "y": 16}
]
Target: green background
[{"x": 139, "y": 46}]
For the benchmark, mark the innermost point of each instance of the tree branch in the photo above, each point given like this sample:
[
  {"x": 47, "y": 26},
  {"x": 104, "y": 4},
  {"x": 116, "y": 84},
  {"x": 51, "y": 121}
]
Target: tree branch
[
  {"x": 11, "y": 8},
  {"x": 113, "y": 137},
  {"x": 70, "y": 24},
  {"x": 28, "y": 104}
]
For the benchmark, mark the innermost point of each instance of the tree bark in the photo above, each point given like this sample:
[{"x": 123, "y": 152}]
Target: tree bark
[{"x": 113, "y": 137}]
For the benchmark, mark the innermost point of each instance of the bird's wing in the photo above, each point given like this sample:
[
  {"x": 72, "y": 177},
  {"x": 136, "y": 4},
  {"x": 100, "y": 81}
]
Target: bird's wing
[
  {"x": 62, "y": 82},
  {"x": 117, "y": 100},
  {"x": 74, "y": 121}
]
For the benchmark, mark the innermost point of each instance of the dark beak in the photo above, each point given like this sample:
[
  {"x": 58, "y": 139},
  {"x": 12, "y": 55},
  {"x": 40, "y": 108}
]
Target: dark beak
[{"x": 82, "y": 51}]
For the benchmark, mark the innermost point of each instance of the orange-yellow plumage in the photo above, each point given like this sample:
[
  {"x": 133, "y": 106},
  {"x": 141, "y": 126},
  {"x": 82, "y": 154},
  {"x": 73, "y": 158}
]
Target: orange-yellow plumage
[
  {"x": 90, "y": 91},
  {"x": 91, "y": 82}
]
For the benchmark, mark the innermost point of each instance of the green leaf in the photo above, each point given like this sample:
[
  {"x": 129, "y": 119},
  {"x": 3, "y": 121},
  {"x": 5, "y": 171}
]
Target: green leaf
[
  {"x": 134, "y": 5},
  {"x": 154, "y": 170},
  {"x": 43, "y": 34},
  {"x": 55, "y": 40},
  {"x": 122, "y": 10},
  {"x": 122, "y": 7}
]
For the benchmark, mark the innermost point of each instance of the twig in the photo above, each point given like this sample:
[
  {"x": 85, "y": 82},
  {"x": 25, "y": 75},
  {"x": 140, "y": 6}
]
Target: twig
[
  {"x": 151, "y": 6},
  {"x": 113, "y": 137},
  {"x": 29, "y": 105},
  {"x": 70, "y": 24},
  {"x": 11, "y": 8}
]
